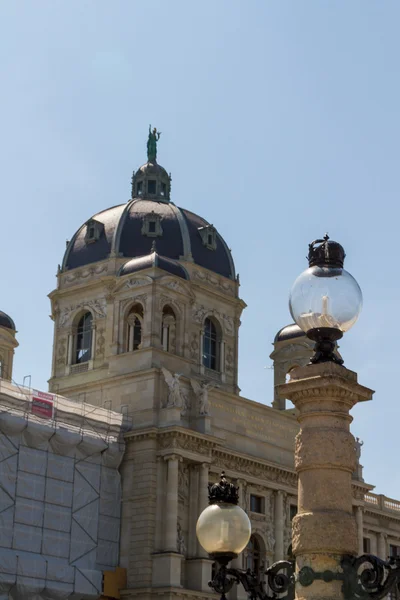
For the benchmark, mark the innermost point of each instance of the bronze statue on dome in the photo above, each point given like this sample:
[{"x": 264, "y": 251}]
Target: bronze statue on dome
[{"x": 154, "y": 136}]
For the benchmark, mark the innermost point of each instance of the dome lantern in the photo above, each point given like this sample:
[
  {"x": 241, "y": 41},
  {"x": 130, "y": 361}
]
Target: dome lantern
[{"x": 151, "y": 181}]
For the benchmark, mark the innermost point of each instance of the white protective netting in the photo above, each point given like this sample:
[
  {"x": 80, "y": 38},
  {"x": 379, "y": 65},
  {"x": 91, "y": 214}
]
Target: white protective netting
[{"x": 60, "y": 497}]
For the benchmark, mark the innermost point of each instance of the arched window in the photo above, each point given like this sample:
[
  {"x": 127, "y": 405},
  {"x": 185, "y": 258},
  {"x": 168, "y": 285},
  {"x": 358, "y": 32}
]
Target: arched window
[
  {"x": 168, "y": 329},
  {"x": 83, "y": 347},
  {"x": 134, "y": 333},
  {"x": 210, "y": 345},
  {"x": 253, "y": 556}
]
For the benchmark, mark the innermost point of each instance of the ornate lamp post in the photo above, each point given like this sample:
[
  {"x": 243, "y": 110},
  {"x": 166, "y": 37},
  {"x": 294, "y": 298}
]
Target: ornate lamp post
[
  {"x": 224, "y": 529},
  {"x": 325, "y": 302}
]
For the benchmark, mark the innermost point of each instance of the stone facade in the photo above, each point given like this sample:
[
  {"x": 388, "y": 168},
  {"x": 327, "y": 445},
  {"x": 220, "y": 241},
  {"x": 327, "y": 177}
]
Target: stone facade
[
  {"x": 174, "y": 451},
  {"x": 145, "y": 343}
]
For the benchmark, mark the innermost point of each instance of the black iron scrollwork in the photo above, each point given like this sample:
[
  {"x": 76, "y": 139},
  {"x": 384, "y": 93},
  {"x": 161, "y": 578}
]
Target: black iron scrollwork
[
  {"x": 369, "y": 577},
  {"x": 280, "y": 580}
]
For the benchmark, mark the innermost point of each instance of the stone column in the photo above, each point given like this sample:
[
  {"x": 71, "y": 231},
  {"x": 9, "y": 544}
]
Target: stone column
[
  {"x": 201, "y": 350},
  {"x": 324, "y": 528},
  {"x": 203, "y": 500},
  {"x": 167, "y": 564},
  {"x": 158, "y": 542},
  {"x": 279, "y": 525},
  {"x": 171, "y": 507},
  {"x": 193, "y": 510},
  {"x": 71, "y": 340},
  {"x": 374, "y": 545},
  {"x": 382, "y": 546},
  {"x": 360, "y": 529},
  {"x": 198, "y": 569}
]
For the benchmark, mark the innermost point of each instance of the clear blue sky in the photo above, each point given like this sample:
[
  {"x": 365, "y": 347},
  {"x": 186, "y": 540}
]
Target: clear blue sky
[{"x": 280, "y": 121}]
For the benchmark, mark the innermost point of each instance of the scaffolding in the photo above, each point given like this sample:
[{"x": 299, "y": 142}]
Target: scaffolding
[{"x": 60, "y": 494}]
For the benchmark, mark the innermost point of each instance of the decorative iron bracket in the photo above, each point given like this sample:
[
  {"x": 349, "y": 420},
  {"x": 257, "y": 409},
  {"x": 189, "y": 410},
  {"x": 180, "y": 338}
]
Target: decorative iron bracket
[
  {"x": 369, "y": 577},
  {"x": 280, "y": 579}
]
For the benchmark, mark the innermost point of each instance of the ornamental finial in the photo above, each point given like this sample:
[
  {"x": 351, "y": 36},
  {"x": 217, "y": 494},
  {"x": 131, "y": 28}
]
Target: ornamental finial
[
  {"x": 223, "y": 492},
  {"x": 154, "y": 136}
]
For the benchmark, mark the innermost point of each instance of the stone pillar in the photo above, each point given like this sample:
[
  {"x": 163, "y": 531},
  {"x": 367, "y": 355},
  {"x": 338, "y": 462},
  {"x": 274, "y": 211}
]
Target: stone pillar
[
  {"x": 171, "y": 507},
  {"x": 193, "y": 510},
  {"x": 201, "y": 350},
  {"x": 198, "y": 570},
  {"x": 167, "y": 563},
  {"x": 158, "y": 542},
  {"x": 279, "y": 519},
  {"x": 324, "y": 528},
  {"x": 70, "y": 348},
  {"x": 374, "y": 545},
  {"x": 360, "y": 529},
  {"x": 382, "y": 546},
  {"x": 202, "y": 500}
]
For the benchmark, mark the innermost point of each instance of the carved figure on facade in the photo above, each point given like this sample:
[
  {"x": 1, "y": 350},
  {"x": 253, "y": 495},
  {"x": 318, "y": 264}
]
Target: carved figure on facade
[
  {"x": 269, "y": 538},
  {"x": 185, "y": 403},
  {"x": 201, "y": 389},
  {"x": 174, "y": 388},
  {"x": 213, "y": 281},
  {"x": 180, "y": 540},
  {"x": 137, "y": 282},
  {"x": 100, "y": 343},
  {"x": 199, "y": 313},
  {"x": 98, "y": 307},
  {"x": 85, "y": 273},
  {"x": 194, "y": 346},
  {"x": 62, "y": 349},
  {"x": 229, "y": 359}
]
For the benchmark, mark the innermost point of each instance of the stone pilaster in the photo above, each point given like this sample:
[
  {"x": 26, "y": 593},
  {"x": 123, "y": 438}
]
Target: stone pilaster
[
  {"x": 279, "y": 519},
  {"x": 360, "y": 529},
  {"x": 382, "y": 546},
  {"x": 324, "y": 528},
  {"x": 158, "y": 541},
  {"x": 193, "y": 510},
  {"x": 171, "y": 508},
  {"x": 374, "y": 543},
  {"x": 203, "y": 500}
]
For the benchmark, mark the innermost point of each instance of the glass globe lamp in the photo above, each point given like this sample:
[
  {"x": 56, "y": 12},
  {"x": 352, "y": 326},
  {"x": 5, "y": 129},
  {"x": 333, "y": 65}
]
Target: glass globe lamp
[
  {"x": 325, "y": 300},
  {"x": 223, "y": 528}
]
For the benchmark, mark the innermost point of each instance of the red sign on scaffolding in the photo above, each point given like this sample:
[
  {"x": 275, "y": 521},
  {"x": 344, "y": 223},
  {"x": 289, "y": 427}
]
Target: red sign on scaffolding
[{"x": 42, "y": 404}]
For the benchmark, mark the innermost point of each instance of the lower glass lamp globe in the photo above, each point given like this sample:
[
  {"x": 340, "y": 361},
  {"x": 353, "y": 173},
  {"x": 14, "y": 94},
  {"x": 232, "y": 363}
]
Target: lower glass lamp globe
[{"x": 223, "y": 530}]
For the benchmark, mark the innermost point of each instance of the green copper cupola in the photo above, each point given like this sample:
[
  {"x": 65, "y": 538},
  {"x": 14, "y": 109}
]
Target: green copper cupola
[{"x": 151, "y": 181}]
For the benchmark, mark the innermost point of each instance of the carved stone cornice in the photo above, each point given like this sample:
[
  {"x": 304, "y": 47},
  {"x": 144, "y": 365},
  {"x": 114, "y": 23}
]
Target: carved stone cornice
[
  {"x": 229, "y": 461},
  {"x": 189, "y": 442}
]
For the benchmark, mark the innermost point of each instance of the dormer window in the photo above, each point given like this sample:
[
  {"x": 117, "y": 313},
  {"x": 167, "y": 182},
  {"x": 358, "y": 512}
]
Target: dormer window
[
  {"x": 152, "y": 186},
  {"x": 93, "y": 231},
  {"x": 152, "y": 225},
  {"x": 209, "y": 236},
  {"x": 139, "y": 188}
]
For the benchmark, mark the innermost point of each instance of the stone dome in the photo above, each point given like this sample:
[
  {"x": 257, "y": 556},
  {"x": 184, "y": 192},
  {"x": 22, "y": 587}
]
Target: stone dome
[
  {"x": 6, "y": 321},
  {"x": 128, "y": 230},
  {"x": 153, "y": 260},
  {"x": 289, "y": 332}
]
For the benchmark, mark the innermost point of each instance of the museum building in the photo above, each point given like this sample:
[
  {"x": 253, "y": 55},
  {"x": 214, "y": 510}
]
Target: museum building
[{"x": 146, "y": 318}]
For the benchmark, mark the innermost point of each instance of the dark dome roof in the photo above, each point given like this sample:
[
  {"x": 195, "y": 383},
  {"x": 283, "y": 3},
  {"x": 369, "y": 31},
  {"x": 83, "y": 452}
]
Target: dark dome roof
[
  {"x": 120, "y": 232},
  {"x": 153, "y": 260},
  {"x": 289, "y": 332},
  {"x": 6, "y": 321}
]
